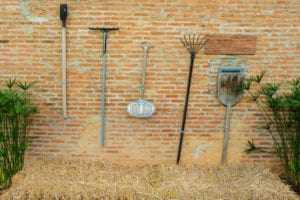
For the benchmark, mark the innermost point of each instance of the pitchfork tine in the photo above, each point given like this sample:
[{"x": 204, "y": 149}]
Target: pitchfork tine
[
  {"x": 190, "y": 43},
  {"x": 187, "y": 43},
  {"x": 197, "y": 42},
  {"x": 188, "y": 47},
  {"x": 194, "y": 41},
  {"x": 184, "y": 43},
  {"x": 202, "y": 42}
]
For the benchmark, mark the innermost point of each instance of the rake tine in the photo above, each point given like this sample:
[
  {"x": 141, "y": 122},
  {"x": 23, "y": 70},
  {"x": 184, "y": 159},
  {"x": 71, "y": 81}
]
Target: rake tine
[
  {"x": 203, "y": 40},
  {"x": 184, "y": 44},
  {"x": 187, "y": 46},
  {"x": 197, "y": 42},
  {"x": 193, "y": 43},
  {"x": 201, "y": 43},
  {"x": 190, "y": 43}
]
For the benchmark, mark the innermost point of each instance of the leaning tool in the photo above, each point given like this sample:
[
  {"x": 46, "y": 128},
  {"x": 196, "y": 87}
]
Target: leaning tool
[
  {"x": 230, "y": 92},
  {"x": 193, "y": 44}
]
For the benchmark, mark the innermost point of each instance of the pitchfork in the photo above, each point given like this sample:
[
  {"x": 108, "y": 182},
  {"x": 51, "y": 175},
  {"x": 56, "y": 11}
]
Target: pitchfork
[{"x": 193, "y": 44}]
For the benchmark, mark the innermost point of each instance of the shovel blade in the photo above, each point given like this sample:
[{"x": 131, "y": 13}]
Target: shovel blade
[{"x": 230, "y": 90}]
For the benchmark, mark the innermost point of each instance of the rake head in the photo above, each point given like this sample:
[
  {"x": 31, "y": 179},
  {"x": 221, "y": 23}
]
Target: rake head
[{"x": 193, "y": 43}]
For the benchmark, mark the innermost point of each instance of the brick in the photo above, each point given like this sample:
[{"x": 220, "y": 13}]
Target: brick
[{"x": 230, "y": 44}]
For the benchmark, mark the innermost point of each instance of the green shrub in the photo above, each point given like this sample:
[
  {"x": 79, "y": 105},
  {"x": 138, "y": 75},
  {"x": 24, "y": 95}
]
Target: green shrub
[
  {"x": 280, "y": 107},
  {"x": 16, "y": 113}
]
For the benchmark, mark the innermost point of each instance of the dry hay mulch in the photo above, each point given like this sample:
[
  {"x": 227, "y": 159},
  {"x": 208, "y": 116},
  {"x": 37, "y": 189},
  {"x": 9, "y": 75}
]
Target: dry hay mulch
[{"x": 60, "y": 179}]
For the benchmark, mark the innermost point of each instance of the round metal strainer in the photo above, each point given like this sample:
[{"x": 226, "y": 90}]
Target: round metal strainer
[{"x": 142, "y": 107}]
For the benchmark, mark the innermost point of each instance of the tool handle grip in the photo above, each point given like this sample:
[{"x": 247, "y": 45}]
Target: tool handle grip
[
  {"x": 145, "y": 45},
  {"x": 63, "y": 14},
  {"x": 226, "y": 133}
]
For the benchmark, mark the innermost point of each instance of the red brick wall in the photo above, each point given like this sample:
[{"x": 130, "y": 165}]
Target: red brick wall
[{"x": 30, "y": 42}]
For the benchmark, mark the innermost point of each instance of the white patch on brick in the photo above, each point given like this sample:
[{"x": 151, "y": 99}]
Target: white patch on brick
[
  {"x": 26, "y": 12},
  {"x": 199, "y": 149}
]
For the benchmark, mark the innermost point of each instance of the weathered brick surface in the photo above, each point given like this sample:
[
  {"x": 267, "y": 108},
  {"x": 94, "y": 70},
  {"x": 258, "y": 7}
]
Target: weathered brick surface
[
  {"x": 30, "y": 49},
  {"x": 230, "y": 44}
]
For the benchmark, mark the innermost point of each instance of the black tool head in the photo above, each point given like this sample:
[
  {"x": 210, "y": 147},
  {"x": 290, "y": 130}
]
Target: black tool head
[
  {"x": 63, "y": 13},
  {"x": 103, "y": 29}
]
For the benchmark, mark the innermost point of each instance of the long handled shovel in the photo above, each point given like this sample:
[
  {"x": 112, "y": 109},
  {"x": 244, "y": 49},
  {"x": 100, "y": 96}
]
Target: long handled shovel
[
  {"x": 63, "y": 17},
  {"x": 193, "y": 44},
  {"x": 230, "y": 92},
  {"x": 105, "y": 33}
]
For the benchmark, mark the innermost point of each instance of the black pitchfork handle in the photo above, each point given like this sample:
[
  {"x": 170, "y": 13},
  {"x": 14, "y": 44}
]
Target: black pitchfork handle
[{"x": 185, "y": 107}]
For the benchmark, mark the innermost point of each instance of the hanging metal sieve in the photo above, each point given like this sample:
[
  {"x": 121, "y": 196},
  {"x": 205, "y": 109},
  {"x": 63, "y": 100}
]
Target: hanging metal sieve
[{"x": 142, "y": 107}]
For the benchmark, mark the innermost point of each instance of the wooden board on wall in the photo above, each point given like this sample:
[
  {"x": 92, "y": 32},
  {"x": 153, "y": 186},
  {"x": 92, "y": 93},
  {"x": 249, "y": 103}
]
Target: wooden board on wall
[{"x": 230, "y": 44}]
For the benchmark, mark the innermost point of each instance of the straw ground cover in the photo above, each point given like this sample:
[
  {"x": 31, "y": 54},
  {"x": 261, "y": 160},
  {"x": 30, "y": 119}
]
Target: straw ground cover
[{"x": 60, "y": 179}]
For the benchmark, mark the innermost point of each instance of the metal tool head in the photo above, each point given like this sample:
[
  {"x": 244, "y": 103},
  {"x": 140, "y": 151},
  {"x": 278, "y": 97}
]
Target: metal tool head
[
  {"x": 193, "y": 43},
  {"x": 230, "y": 81}
]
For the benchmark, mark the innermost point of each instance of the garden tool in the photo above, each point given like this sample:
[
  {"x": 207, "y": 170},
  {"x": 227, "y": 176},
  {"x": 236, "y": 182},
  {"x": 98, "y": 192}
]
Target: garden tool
[
  {"x": 193, "y": 44},
  {"x": 105, "y": 33},
  {"x": 63, "y": 18},
  {"x": 142, "y": 108},
  {"x": 230, "y": 92}
]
